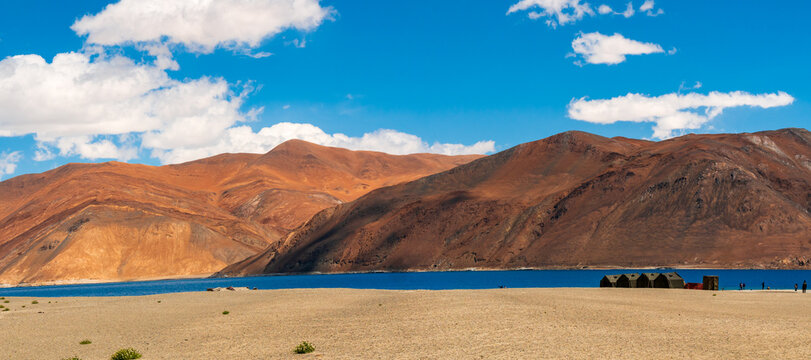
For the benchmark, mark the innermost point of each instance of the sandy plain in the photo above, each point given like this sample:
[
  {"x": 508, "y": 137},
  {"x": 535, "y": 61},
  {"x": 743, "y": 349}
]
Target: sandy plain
[{"x": 381, "y": 324}]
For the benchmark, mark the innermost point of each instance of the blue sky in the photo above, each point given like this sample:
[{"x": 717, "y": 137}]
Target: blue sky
[{"x": 450, "y": 77}]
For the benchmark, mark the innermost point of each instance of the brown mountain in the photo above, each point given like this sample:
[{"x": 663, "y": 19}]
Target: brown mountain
[
  {"x": 115, "y": 221},
  {"x": 576, "y": 199}
]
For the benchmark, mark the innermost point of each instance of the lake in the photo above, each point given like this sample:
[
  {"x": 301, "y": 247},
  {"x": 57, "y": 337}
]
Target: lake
[{"x": 446, "y": 280}]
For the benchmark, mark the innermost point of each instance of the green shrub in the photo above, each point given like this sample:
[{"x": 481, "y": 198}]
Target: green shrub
[
  {"x": 72, "y": 358},
  {"x": 226, "y": 312},
  {"x": 126, "y": 354},
  {"x": 85, "y": 342},
  {"x": 6, "y": 309},
  {"x": 304, "y": 348},
  {"x": 6, "y": 301},
  {"x": 1, "y": 306},
  {"x": 34, "y": 302}
]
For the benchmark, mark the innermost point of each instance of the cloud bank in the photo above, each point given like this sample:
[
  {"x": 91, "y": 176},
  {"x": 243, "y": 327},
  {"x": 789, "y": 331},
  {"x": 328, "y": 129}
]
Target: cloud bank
[
  {"x": 670, "y": 112},
  {"x": 596, "y": 48},
  {"x": 73, "y": 101},
  {"x": 98, "y": 106},
  {"x": 200, "y": 25}
]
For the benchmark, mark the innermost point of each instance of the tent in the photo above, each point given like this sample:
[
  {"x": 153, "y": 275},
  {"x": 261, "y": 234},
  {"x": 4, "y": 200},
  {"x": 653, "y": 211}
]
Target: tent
[
  {"x": 609, "y": 281},
  {"x": 669, "y": 280},
  {"x": 710, "y": 282},
  {"x": 646, "y": 280},
  {"x": 628, "y": 280}
]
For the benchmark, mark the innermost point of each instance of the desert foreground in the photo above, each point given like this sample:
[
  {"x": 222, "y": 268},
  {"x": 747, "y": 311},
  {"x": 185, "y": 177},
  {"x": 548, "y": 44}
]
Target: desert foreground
[{"x": 381, "y": 324}]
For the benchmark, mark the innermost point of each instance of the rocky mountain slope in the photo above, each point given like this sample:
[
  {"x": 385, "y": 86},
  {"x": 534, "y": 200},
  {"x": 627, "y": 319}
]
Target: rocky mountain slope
[
  {"x": 572, "y": 200},
  {"x": 115, "y": 221}
]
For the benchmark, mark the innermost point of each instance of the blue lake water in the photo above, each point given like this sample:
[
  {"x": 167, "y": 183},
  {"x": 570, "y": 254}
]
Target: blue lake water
[{"x": 729, "y": 280}]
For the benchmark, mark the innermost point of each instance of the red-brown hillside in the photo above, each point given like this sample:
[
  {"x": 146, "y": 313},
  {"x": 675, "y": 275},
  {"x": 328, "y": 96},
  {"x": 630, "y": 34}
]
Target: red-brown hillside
[
  {"x": 576, "y": 199},
  {"x": 116, "y": 221}
]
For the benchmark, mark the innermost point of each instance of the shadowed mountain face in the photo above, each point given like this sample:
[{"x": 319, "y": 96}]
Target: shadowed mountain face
[
  {"x": 117, "y": 221},
  {"x": 576, "y": 199}
]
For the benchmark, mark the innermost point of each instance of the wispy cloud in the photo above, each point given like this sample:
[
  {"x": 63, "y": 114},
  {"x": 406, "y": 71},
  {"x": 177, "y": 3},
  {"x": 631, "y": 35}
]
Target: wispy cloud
[
  {"x": 596, "y": 48},
  {"x": 556, "y": 12},
  {"x": 670, "y": 112}
]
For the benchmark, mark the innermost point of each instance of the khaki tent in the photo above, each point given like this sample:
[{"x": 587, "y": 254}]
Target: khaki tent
[
  {"x": 609, "y": 281},
  {"x": 628, "y": 280},
  {"x": 710, "y": 282},
  {"x": 669, "y": 280},
  {"x": 646, "y": 280}
]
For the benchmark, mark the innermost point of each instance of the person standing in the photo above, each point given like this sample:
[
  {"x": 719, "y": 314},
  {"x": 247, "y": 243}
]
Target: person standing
[
  {"x": 795, "y": 287},
  {"x": 763, "y": 286},
  {"x": 805, "y": 286}
]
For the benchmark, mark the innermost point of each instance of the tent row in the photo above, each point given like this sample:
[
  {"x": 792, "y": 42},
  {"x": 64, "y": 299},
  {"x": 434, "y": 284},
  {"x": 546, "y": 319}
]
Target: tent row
[{"x": 670, "y": 280}]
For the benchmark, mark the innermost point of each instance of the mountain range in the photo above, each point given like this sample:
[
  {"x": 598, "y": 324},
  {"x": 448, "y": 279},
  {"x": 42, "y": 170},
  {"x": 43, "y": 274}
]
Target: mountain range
[
  {"x": 118, "y": 221},
  {"x": 576, "y": 200},
  {"x": 571, "y": 200}
]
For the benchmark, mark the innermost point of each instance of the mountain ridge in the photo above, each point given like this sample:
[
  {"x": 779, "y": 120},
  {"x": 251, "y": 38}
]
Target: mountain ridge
[
  {"x": 112, "y": 221},
  {"x": 576, "y": 199}
]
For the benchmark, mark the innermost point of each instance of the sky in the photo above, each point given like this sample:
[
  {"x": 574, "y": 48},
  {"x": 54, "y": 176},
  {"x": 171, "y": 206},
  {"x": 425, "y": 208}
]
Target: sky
[{"x": 162, "y": 82}]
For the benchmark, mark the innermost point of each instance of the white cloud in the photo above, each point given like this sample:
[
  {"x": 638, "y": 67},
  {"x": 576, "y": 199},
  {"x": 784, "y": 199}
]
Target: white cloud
[
  {"x": 79, "y": 104},
  {"x": 557, "y": 12},
  {"x": 596, "y": 48},
  {"x": 200, "y": 25},
  {"x": 629, "y": 11},
  {"x": 605, "y": 10},
  {"x": 670, "y": 112},
  {"x": 8, "y": 162},
  {"x": 244, "y": 139},
  {"x": 647, "y": 8},
  {"x": 70, "y": 101}
]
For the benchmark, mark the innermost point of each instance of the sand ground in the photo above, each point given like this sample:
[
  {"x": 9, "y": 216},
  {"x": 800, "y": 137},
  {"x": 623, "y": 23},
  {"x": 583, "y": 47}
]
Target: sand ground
[{"x": 378, "y": 324}]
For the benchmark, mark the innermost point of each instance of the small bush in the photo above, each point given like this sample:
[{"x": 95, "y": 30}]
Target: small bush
[
  {"x": 85, "y": 342},
  {"x": 226, "y": 312},
  {"x": 126, "y": 354},
  {"x": 1, "y": 306},
  {"x": 72, "y": 358},
  {"x": 304, "y": 348},
  {"x": 6, "y": 309},
  {"x": 6, "y": 301},
  {"x": 34, "y": 302}
]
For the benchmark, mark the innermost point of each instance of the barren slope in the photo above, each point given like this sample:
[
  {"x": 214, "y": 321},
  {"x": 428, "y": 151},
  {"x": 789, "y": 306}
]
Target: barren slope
[
  {"x": 576, "y": 199},
  {"x": 116, "y": 221}
]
